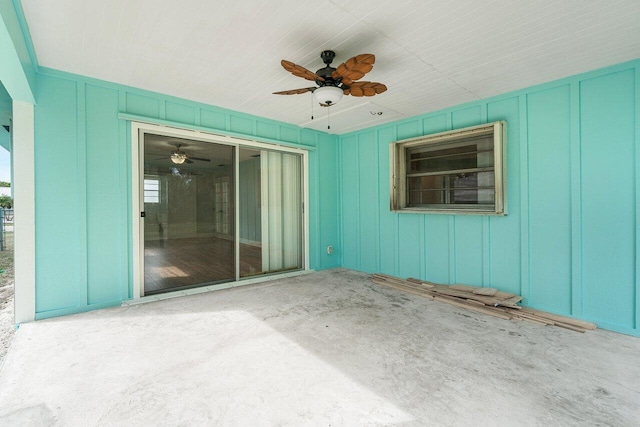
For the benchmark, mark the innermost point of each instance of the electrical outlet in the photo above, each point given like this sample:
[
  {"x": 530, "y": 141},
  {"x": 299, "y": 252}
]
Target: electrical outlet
[{"x": 330, "y": 250}]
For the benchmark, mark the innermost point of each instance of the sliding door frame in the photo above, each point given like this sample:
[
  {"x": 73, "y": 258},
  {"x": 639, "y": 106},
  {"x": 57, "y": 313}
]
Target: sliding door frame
[{"x": 138, "y": 129}]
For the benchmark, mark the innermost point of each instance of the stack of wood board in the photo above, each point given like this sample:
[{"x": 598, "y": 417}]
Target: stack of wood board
[{"x": 482, "y": 300}]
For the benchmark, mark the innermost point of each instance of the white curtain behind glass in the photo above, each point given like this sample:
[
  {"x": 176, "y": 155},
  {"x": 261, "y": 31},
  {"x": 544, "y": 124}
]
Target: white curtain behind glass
[{"x": 281, "y": 211}]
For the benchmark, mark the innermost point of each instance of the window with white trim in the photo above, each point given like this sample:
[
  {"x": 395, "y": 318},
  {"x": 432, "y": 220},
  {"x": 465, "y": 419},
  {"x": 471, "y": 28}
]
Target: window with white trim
[
  {"x": 152, "y": 190},
  {"x": 461, "y": 171}
]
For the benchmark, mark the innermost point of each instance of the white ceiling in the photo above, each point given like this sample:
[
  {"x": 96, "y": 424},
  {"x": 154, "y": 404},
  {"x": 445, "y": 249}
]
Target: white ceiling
[{"x": 431, "y": 54}]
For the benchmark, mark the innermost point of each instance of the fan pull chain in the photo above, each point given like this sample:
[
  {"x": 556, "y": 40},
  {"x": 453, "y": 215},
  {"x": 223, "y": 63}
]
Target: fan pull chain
[
  {"x": 312, "y": 106},
  {"x": 328, "y": 118}
]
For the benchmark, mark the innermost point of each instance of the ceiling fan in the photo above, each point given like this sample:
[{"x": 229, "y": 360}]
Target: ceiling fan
[
  {"x": 332, "y": 83},
  {"x": 179, "y": 157}
]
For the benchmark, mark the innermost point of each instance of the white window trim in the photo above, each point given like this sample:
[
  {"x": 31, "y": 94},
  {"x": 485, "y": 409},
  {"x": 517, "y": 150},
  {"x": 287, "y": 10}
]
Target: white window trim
[
  {"x": 138, "y": 129},
  {"x": 397, "y": 169}
]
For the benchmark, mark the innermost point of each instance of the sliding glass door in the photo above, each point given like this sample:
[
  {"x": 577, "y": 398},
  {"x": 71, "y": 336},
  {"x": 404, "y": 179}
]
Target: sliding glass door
[
  {"x": 214, "y": 213},
  {"x": 189, "y": 237}
]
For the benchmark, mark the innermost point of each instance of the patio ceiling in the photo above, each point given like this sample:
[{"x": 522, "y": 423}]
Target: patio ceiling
[{"x": 430, "y": 54}]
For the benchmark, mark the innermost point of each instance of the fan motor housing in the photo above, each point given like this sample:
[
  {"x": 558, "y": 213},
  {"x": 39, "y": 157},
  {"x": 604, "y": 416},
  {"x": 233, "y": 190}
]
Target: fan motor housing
[
  {"x": 325, "y": 73},
  {"x": 327, "y": 56}
]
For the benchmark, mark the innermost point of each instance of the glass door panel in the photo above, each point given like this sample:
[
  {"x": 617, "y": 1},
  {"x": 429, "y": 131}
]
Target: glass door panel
[
  {"x": 189, "y": 227},
  {"x": 270, "y": 203}
]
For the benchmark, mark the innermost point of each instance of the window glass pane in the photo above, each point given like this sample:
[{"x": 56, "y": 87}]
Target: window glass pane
[
  {"x": 460, "y": 188},
  {"x": 435, "y": 190},
  {"x": 151, "y": 190},
  {"x": 151, "y": 184},
  {"x": 470, "y": 154},
  {"x": 189, "y": 234},
  {"x": 472, "y": 197}
]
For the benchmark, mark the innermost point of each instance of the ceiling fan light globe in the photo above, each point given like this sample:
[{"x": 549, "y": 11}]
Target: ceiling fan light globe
[
  {"x": 328, "y": 95},
  {"x": 178, "y": 158}
]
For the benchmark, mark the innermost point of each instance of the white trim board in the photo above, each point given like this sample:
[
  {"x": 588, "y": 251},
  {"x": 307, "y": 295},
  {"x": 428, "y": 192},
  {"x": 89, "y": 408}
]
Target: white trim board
[{"x": 22, "y": 131}]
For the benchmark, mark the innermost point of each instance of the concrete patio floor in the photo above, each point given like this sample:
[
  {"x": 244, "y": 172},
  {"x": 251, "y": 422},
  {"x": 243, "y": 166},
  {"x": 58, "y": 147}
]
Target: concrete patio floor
[{"x": 326, "y": 349}]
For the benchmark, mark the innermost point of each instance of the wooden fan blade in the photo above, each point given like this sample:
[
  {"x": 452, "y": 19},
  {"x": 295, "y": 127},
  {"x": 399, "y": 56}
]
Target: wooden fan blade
[
  {"x": 366, "y": 88},
  {"x": 300, "y": 71},
  {"x": 355, "y": 68},
  {"x": 200, "y": 159},
  {"x": 295, "y": 91}
]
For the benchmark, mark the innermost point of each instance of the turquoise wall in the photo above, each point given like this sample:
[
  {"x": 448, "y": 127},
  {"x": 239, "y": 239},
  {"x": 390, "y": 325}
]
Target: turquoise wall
[
  {"x": 83, "y": 181},
  {"x": 569, "y": 242}
]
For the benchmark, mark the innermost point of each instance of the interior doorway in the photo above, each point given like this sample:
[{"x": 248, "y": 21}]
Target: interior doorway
[{"x": 216, "y": 212}]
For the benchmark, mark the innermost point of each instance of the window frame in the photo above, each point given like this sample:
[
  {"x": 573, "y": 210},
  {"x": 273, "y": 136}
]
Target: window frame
[{"x": 398, "y": 174}]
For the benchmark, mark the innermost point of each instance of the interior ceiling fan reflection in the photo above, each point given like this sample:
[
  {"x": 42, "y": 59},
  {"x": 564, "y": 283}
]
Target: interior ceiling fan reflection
[{"x": 179, "y": 157}]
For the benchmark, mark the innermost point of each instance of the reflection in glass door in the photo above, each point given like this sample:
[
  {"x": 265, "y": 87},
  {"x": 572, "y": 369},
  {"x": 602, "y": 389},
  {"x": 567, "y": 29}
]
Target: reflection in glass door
[
  {"x": 222, "y": 213},
  {"x": 189, "y": 227}
]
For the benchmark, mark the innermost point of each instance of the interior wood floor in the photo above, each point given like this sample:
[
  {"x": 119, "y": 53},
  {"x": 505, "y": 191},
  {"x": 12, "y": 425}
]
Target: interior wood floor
[{"x": 180, "y": 263}]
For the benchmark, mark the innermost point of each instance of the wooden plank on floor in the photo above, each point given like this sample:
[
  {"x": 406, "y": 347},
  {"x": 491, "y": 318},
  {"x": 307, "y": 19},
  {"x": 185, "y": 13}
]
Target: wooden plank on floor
[
  {"x": 489, "y": 292},
  {"x": 500, "y": 304},
  {"x": 442, "y": 298},
  {"x": 576, "y": 322},
  {"x": 478, "y": 289}
]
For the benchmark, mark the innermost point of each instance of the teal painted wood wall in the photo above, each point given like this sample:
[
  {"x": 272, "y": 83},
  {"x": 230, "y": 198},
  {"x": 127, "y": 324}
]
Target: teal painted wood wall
[
  {"x": 569, "y": 243},
  {"x": 83, "y": 181}
]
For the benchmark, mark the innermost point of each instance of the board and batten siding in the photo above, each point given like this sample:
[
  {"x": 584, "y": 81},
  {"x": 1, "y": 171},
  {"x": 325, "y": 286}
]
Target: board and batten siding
[
  {"x": 569, "y": 244},
  {"x": 83, "y": 184}
]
